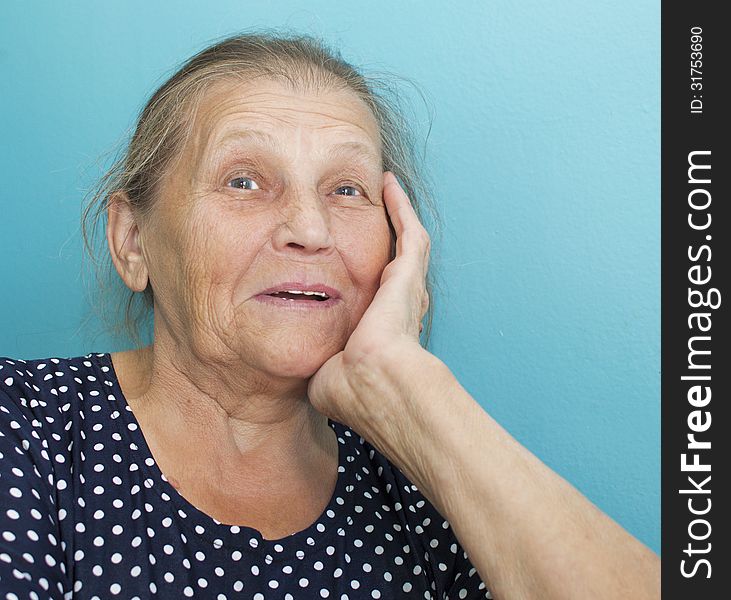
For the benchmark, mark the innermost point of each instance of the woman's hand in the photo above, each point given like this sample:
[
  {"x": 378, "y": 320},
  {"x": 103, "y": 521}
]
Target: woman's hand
[
  {"x": 527, "y": 531},
  {"x": 390, "y": 326}
]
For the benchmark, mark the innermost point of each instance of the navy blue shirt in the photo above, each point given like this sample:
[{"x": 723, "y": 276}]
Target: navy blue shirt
[{"x": 86, "y": 513}]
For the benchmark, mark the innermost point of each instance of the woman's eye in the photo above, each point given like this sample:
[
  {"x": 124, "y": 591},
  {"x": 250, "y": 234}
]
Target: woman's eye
[
  {"x": 347, "y": 190},
  {"x": 243, "y": 183}
]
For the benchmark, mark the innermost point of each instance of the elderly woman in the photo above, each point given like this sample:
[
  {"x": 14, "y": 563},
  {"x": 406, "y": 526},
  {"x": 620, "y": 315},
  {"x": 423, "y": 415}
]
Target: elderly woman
[{"x": 285, "y": 435}]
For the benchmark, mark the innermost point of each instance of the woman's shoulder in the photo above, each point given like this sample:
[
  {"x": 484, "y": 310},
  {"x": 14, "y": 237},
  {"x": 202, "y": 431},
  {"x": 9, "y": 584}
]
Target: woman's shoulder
[
  {"x": 34, "y": 376},
  {"x": 40, "y": 391},
  {"x": 376, "y": 468},
  {"x": 386, "y": 497},
  {"x": 375, "y": 473}
]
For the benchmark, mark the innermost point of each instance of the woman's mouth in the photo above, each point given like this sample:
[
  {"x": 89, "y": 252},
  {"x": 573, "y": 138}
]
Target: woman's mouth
[
  {"x": 299, "y": 295},
  {"x": 297, "y": 300}
]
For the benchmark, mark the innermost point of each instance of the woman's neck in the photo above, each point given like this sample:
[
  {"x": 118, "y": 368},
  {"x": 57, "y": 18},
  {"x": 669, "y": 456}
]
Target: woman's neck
[{"x": 225, "y": 444}]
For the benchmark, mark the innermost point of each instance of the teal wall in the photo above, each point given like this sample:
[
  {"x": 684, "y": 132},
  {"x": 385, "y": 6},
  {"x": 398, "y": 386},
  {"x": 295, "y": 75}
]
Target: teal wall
[{"x": 544, "y": 151}]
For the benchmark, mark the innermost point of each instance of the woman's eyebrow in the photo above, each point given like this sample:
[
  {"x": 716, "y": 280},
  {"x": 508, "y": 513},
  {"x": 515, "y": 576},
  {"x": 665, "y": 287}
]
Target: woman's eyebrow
[
  {"x": 353, "y": 150},
  {"x": 262, "y": 138},
  {"x": 350, "y": 149}
]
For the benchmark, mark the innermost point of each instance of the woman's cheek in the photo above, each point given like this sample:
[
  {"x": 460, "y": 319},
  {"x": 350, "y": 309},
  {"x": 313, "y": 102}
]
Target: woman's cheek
[{"x": 361, "y": 254}]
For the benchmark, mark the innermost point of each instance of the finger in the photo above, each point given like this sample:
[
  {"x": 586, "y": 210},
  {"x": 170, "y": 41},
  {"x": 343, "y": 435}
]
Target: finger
[
  {"x": 411, "y": 236},
  {"x": 399, "y": 207}
]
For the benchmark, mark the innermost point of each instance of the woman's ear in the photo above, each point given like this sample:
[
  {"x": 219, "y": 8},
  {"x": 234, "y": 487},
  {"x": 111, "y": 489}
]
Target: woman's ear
[{"x": 125, "y": 245}]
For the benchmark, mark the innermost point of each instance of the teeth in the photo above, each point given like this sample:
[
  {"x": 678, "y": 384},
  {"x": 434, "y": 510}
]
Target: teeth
[{"x": 321, "y": 294}]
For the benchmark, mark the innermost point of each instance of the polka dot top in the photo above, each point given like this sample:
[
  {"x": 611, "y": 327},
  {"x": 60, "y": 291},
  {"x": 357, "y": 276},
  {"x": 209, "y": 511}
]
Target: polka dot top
[{"x": 85, "y": 513}]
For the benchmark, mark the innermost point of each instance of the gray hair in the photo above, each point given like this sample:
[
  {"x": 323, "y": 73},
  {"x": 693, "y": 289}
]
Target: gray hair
[{"x": 166, "y": 121}]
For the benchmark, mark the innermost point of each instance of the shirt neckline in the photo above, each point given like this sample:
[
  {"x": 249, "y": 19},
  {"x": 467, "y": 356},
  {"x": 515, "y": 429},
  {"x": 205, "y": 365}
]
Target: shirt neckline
[{"x": 335, "y": 517}]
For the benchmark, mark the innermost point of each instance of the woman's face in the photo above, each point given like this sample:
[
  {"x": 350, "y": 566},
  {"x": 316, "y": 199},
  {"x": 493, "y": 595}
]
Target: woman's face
[{"x": 275, "y": 191}]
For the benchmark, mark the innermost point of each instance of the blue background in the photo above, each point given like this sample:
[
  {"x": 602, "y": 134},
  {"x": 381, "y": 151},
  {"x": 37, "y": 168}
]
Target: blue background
[{"x": 544, "y": 151}]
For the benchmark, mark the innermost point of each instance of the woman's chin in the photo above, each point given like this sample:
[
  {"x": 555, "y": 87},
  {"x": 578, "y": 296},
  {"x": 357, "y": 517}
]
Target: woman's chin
[
  {"x": 293, "y": 369},
  {"x": 299, "y": 362}
]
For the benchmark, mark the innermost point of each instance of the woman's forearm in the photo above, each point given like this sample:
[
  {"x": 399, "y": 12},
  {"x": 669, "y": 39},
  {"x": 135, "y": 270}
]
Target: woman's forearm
[{"x": 527, "y": 531}]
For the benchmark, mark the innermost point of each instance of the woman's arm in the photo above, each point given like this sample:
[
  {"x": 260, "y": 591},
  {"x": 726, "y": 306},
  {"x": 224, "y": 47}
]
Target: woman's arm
[
  {"x": 32, "y": 562},
  {"x": 527, "y": 531}
]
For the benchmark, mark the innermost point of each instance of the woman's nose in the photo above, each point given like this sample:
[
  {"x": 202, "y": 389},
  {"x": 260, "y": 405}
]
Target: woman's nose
[{"x": 306, "y": 225}]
